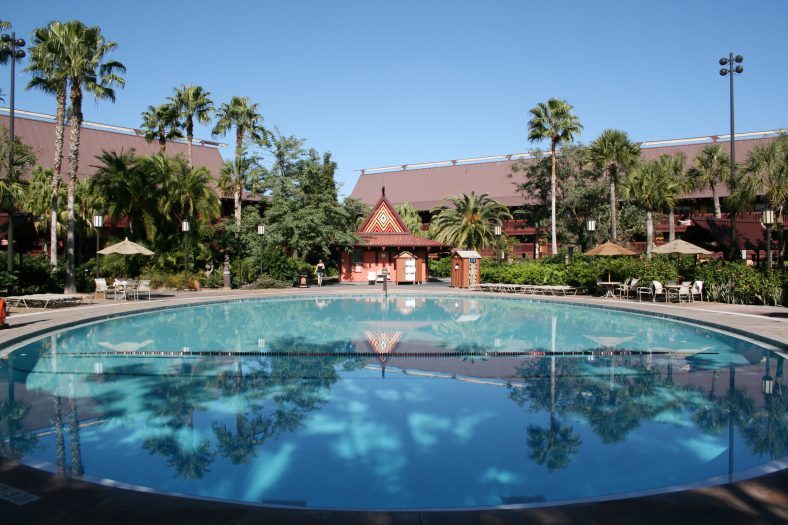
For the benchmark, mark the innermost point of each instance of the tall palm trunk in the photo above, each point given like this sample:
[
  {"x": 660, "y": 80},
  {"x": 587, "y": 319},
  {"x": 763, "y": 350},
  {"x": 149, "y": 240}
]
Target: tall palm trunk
[
  {"x": 780, "y": 238},
  {"x": 189, "y": 138},
  {"x": 73, "y": 158},
  {"x": 671, "y": 225},
  {"x": 162, "y": 143},
  {"x": 60, "y": 128},
  {"x": 716, "y": 199},
  {"x": 239, "y": 138},
  {"x": 613, "y": 212},
  {"x": 552, "y": 202},
  {"x": 649, "y": 233}
]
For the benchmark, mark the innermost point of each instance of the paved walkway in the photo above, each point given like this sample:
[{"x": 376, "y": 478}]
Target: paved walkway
[{"x": 760, "y": 500}]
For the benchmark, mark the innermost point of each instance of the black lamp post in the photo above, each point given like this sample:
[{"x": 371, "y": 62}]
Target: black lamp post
[
  {"x": 185, "y": 229},
  {"x": 730, "y": 69},
  {"x": 261, "y": 233},
  {"x": 768, "y": 220},
  {"x": 11, "y": 47},
  {"x": 98, "y": 223}
]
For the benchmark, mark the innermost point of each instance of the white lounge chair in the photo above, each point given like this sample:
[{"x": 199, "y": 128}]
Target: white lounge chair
[{"x": 142, "y": 287}]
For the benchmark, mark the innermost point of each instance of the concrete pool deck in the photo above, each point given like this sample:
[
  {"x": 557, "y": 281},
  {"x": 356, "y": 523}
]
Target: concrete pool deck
[{"x": 759, "y": 500}]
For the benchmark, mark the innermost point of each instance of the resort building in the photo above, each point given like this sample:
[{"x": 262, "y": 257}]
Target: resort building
[
  {"x": 37, "y": 130},
  {"x": 426, "y": 185}
]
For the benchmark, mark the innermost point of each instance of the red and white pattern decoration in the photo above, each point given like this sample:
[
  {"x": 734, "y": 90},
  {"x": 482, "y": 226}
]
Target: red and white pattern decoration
[
  {"x": 383, "y": 343},
  {"x": 383, "y": 220}
]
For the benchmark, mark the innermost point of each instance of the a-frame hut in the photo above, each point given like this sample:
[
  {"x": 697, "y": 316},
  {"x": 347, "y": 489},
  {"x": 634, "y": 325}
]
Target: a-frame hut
[{"x": 381, "y": 238}]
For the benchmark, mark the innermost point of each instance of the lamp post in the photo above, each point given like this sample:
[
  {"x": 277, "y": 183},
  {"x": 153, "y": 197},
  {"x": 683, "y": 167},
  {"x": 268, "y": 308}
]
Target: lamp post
[
  {"x": 768, "y": 220},
  {"x": 261, "y": 234},
  {"x": 11, "y": 47},
  {"x": 497, "y": 229},
  {"x": 98, "y": 223},
  {"x": 730, "y": 69},
  {"x": 591, "y": 227},
  {"x": 185, "y": 229}
]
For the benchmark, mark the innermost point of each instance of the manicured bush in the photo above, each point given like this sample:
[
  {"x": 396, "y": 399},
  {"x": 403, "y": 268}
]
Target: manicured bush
[{"x": 440, "y": 267}]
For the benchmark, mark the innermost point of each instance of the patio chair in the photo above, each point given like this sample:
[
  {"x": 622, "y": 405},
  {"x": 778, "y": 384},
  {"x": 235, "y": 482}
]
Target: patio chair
[
  {"x": 102, "y": 288},
  {"x": 633, "y": 288},
  {"x": 697, "y": 289},
  {"x": 654, "y": 289},
  {"x": 682, "y": 291},
  {"x": 142, "y": 287},
  {"x": 623, "y": 288},
  {"x": 129, "y": 289}
]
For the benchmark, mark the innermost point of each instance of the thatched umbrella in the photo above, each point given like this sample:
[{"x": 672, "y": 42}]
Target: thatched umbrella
[
  {"x": 609, "y": 249},
  {"x": 126, "y": 247},
  {"x": 680, "y": 248}
]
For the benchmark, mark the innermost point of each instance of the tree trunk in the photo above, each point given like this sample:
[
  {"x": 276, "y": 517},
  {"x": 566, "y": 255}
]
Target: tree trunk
[
  {"x": 162, "y": 143},
  {"x": 780, "y": 239},
  {"x": 613, "y": 213},
  {"x": 239, "y": 140},
  {"x": 60, "y": 128},
  {"x": 189, "y": 138},
  {"x": 649, "y": 234},
  {"x": 671, "y": 225},
  {"x": 552, "y": 204},
  {"x": 73, "y": 161},
  {"x": 716, "y": 198}
]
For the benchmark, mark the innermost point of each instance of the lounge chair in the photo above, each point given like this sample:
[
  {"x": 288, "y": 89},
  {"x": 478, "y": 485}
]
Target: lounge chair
[
  {"x": 697, "y": 289},
  {"x": 633, "y": 288},
  {"x": 654, "y": 289}
]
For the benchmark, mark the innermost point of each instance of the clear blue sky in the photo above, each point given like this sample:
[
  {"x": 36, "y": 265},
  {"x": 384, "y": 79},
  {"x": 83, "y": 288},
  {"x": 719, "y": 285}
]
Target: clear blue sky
[{"x": 403, "y": 82}]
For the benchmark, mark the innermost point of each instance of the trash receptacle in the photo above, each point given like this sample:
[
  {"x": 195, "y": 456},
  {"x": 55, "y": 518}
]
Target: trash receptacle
[{"x": 303, "y": 281}]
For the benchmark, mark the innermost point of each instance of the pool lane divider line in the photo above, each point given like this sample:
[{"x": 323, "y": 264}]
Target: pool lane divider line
[{"x": 244, "y": 353}]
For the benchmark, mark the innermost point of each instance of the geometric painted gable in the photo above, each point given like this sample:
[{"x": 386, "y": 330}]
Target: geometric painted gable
[
  {"x": 383, "y": 343},
  {"x": 383, "y": 220}
]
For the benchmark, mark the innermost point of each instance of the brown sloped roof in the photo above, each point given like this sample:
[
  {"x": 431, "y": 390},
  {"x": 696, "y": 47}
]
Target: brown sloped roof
[
  {"x": 750, "y": 234},
  {"x": 397, "y": 240},
  {"x": 40, "y": 135},
  {"x": 425, "y": 188}
]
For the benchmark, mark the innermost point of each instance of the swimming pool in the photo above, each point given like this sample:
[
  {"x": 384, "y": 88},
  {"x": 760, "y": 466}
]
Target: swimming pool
[{"x": 409, "y": 402}]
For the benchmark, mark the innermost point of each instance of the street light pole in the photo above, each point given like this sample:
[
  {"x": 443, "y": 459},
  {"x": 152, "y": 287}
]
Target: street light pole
[
  {"x": 261, "y": 233},
  {"x": 768, "y": 220},
  {"x": 185, "y": 229},
  {"x": 11, "y": 48},
  {"x": 730, "y": 70},
  {"x": 98, "y": 223}
]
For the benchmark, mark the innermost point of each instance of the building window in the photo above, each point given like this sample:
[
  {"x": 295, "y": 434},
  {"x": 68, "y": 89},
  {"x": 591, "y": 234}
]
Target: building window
[{"x": 357, "y": 257}]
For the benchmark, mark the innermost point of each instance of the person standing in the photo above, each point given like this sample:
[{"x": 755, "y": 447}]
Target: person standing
[{"x": 320, "y": 269}]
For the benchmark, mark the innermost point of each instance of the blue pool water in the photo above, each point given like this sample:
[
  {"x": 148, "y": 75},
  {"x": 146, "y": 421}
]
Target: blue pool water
[{"x": 409, "y": 402}]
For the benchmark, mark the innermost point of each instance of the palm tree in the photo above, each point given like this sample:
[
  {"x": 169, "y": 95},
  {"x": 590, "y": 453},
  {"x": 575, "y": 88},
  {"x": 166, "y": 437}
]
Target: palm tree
[
  {"x": 468, "y": 221},
  {"x": 766, "y": 173},
  {"x": 614, "y": 153},
  {"x": 84, "y": 59},
  {"x": 161, "y": 123},
  {"x": 49, "y": 75},
  {"x": 411, "y": 218},
  {"x": 193, "y": 103},
  {"x": 236, "y": 176},
  {"x": 710, "y": 168},
  {"x": 12, "y": 189},
  {"x": 187, "y": 192},
  {"x": 36, "y": 198},
  {"x": 652, "y": 189},
  {"x": 131, "y": 188},
  {"x": 242, "y": 115},
  {"x": 553, "y": 120},
  {"x": 673, "y": 166}
]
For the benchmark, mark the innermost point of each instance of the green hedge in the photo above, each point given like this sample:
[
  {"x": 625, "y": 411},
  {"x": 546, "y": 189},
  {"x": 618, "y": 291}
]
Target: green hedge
[{"x": 724, "y": 281}]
